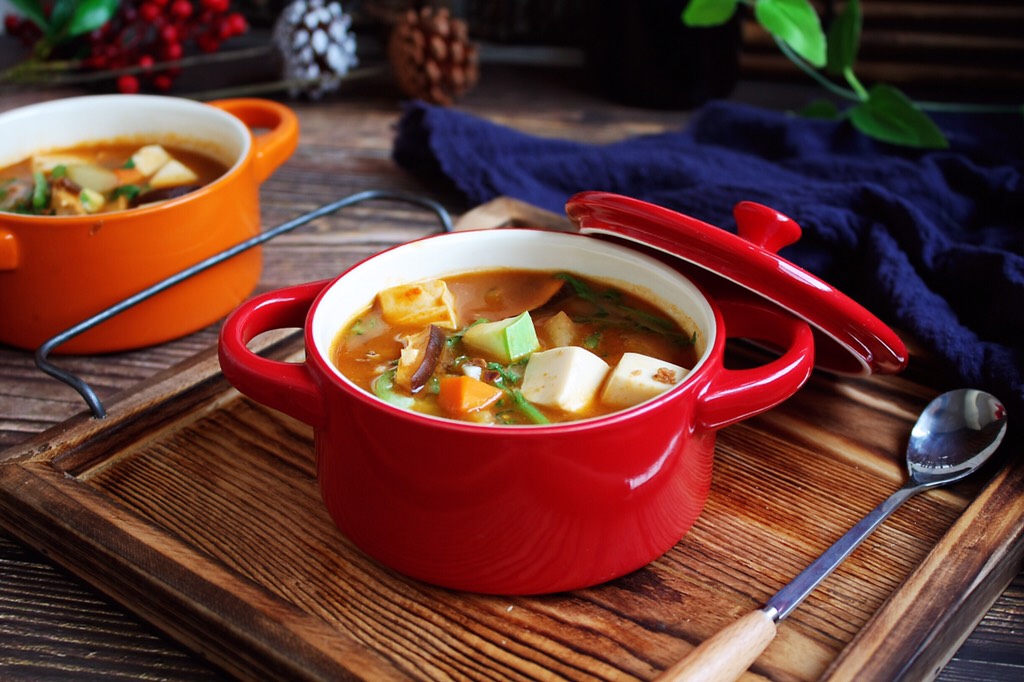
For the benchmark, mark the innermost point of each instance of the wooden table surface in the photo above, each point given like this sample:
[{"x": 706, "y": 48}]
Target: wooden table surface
[{"x": 52, "y": 624}]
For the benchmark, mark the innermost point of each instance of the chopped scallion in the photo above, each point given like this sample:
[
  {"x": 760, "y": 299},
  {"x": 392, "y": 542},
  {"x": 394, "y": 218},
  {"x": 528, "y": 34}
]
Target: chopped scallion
[
  {"x": 384, "y": 388},
  {"x": 41, "y": 192},
  {"x": 127, "y": 191},
  {"x": 528, "y": 409}
]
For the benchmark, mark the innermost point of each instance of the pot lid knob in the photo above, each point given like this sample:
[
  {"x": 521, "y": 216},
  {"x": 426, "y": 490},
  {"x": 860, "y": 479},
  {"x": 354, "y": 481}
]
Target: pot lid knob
[{"x": 765, "y": 226}]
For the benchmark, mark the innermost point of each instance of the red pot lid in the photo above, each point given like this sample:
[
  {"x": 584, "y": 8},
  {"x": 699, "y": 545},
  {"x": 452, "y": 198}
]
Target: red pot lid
[{"x": 850, "y": 340}]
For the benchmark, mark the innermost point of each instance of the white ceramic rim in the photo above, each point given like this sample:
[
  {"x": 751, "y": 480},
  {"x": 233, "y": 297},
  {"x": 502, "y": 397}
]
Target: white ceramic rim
[
  {"x": 63, "y": 123},
  {"x": 527, "y": 249}
]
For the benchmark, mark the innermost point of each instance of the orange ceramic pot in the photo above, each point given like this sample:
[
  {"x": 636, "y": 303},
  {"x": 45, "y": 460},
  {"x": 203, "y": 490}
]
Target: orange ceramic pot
[{"x": 56, "y": 271}]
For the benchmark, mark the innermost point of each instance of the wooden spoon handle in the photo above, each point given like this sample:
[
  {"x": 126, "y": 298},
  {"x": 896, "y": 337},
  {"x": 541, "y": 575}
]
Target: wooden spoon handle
[{"x": 728, "y": 653}]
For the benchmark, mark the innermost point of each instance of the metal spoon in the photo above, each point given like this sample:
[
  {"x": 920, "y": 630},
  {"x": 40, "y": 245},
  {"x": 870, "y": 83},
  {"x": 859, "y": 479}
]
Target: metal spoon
[{"x": 952, "y": 438}]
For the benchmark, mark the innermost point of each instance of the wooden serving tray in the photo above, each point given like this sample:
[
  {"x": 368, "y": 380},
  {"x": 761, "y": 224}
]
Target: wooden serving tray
[{"x": 199, "y": 510}]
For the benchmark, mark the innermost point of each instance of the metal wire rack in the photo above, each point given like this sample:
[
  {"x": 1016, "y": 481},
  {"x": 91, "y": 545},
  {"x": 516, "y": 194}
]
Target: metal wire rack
[{"x": 42, "y": 353}]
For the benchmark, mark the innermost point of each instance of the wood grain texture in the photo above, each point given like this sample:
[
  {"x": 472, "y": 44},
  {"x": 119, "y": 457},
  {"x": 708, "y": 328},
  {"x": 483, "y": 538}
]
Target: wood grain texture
[
  {"x": 728, "y": 653},
  {"x": 249, "y": 586},
  {"x": 200, "y": 510},
  {"x": 953, "y": 49}
]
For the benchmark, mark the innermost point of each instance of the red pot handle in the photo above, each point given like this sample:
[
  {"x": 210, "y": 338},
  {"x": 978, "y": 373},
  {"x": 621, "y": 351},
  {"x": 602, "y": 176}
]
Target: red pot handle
[
  {"x": 734, "y": 395},
  {"x": 285, "y": 386}
]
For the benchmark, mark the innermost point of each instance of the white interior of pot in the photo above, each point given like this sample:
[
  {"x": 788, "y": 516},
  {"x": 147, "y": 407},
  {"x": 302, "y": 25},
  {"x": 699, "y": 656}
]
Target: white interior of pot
[
  {"x": 460, "y": 252},
  {"x": 174, "y": 121}
]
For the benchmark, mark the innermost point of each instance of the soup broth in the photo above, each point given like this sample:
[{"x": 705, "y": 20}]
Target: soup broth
[
  {"x": 514, "y": 347},
  {"x": 103, "y": 177}
]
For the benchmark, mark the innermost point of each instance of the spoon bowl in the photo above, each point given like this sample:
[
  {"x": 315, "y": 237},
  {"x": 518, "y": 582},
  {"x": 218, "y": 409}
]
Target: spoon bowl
[{"x": 954, "y": 436}]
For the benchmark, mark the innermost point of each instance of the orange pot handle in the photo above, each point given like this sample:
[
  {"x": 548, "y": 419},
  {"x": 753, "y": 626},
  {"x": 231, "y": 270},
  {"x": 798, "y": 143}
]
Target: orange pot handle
[
  {"x": 8, "y": 250},
  {"x": 275, "y": 130}
]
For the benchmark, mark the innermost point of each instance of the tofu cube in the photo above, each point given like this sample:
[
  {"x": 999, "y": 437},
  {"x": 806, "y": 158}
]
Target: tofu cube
[
  {"x": 92, "y": 201},
  {"x": 419, "y": 304},
  {"x": 566, "y": 378},
  {"x": 172, "y": 174},
  {"x": 45, "y": 163},
  {"x": 561, "y": 330},
  {"x": 638, "y": 378},
  {"x": 149, "y": 159}
]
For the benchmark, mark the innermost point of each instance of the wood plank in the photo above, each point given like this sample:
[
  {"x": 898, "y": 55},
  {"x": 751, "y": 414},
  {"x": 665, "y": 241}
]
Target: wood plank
[
  {"x": 928, "y": 625},
  {"x": 164, "y": 506},
  {"x": 42, "y": 634}
]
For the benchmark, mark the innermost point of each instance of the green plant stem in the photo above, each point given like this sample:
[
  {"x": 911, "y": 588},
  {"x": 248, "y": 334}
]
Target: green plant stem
[
  {"x": 821, "y": 80},
  {"x": 967, "y": 108},
  {"x": 858, "y": 93},
  {"x": 855, "y": 84}
]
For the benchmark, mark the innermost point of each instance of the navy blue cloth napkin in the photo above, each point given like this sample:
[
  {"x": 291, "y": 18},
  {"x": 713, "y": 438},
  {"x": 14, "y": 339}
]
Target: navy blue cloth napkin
[{"x": 932, "y": 242}]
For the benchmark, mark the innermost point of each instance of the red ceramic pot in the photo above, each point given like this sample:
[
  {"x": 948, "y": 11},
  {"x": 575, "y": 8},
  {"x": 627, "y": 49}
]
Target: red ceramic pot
[{"x": 514, "y": 509}]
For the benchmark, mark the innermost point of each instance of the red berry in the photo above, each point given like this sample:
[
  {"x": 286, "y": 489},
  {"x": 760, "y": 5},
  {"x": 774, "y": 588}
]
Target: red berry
[
  {"x": 222, "y": 28},
  {"x": 171, "y": 51},
  {"x": 12, "y": 23},
  {"x": 159, "y": 3},
  {"x": 163, "y": 82},
  {"x": 208, "y": 42},
  {"x": 146, "y": 61},
  {"x": 181, "y": 9},
  {"x": 237, "y": 24},
  {"x": 217, "y": 5},
  {"x": 149, "y": 11},
  {"x": 129, "y": 85},
  {"x": 169, "y": 33}
]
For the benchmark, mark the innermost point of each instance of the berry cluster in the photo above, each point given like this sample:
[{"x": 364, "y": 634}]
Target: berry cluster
[
  {"x": 146, "y": 33},
  {"x": 22, "y": 29}
]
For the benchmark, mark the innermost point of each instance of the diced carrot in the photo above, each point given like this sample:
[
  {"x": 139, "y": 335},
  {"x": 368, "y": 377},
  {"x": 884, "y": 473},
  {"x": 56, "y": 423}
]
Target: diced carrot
[
  {"x": 463, "y": 394},
  {"x": 129, "y": 176}
]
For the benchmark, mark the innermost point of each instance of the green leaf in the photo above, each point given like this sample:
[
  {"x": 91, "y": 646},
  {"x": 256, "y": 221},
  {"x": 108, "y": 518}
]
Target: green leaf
[
  {"x": 89, "y": 15},
  {"x": 60, "y": 14},
  {"x": 844, "y": 39},
  {"x": 890, "y": 116},
  {"x": 821, "y": 108},
  {"x": 703, "y": 13},
  {"x": 33, "y": 11},
  {"x": 795, "y": 23}
]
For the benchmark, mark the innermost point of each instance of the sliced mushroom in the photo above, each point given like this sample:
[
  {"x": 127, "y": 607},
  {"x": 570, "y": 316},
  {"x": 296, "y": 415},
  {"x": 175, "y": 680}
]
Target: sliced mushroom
[
  {"x": 15, "y": 194},
  {"x": 514, "y": 300},
  {"x": 419, "y": 358},
  {"x": 163, "y": 194}
]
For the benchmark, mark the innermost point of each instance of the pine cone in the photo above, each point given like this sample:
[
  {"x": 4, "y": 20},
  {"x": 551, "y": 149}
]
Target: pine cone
[
  {"x": 432, "y": 56},
  {"x": 318, "y": 49}
]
